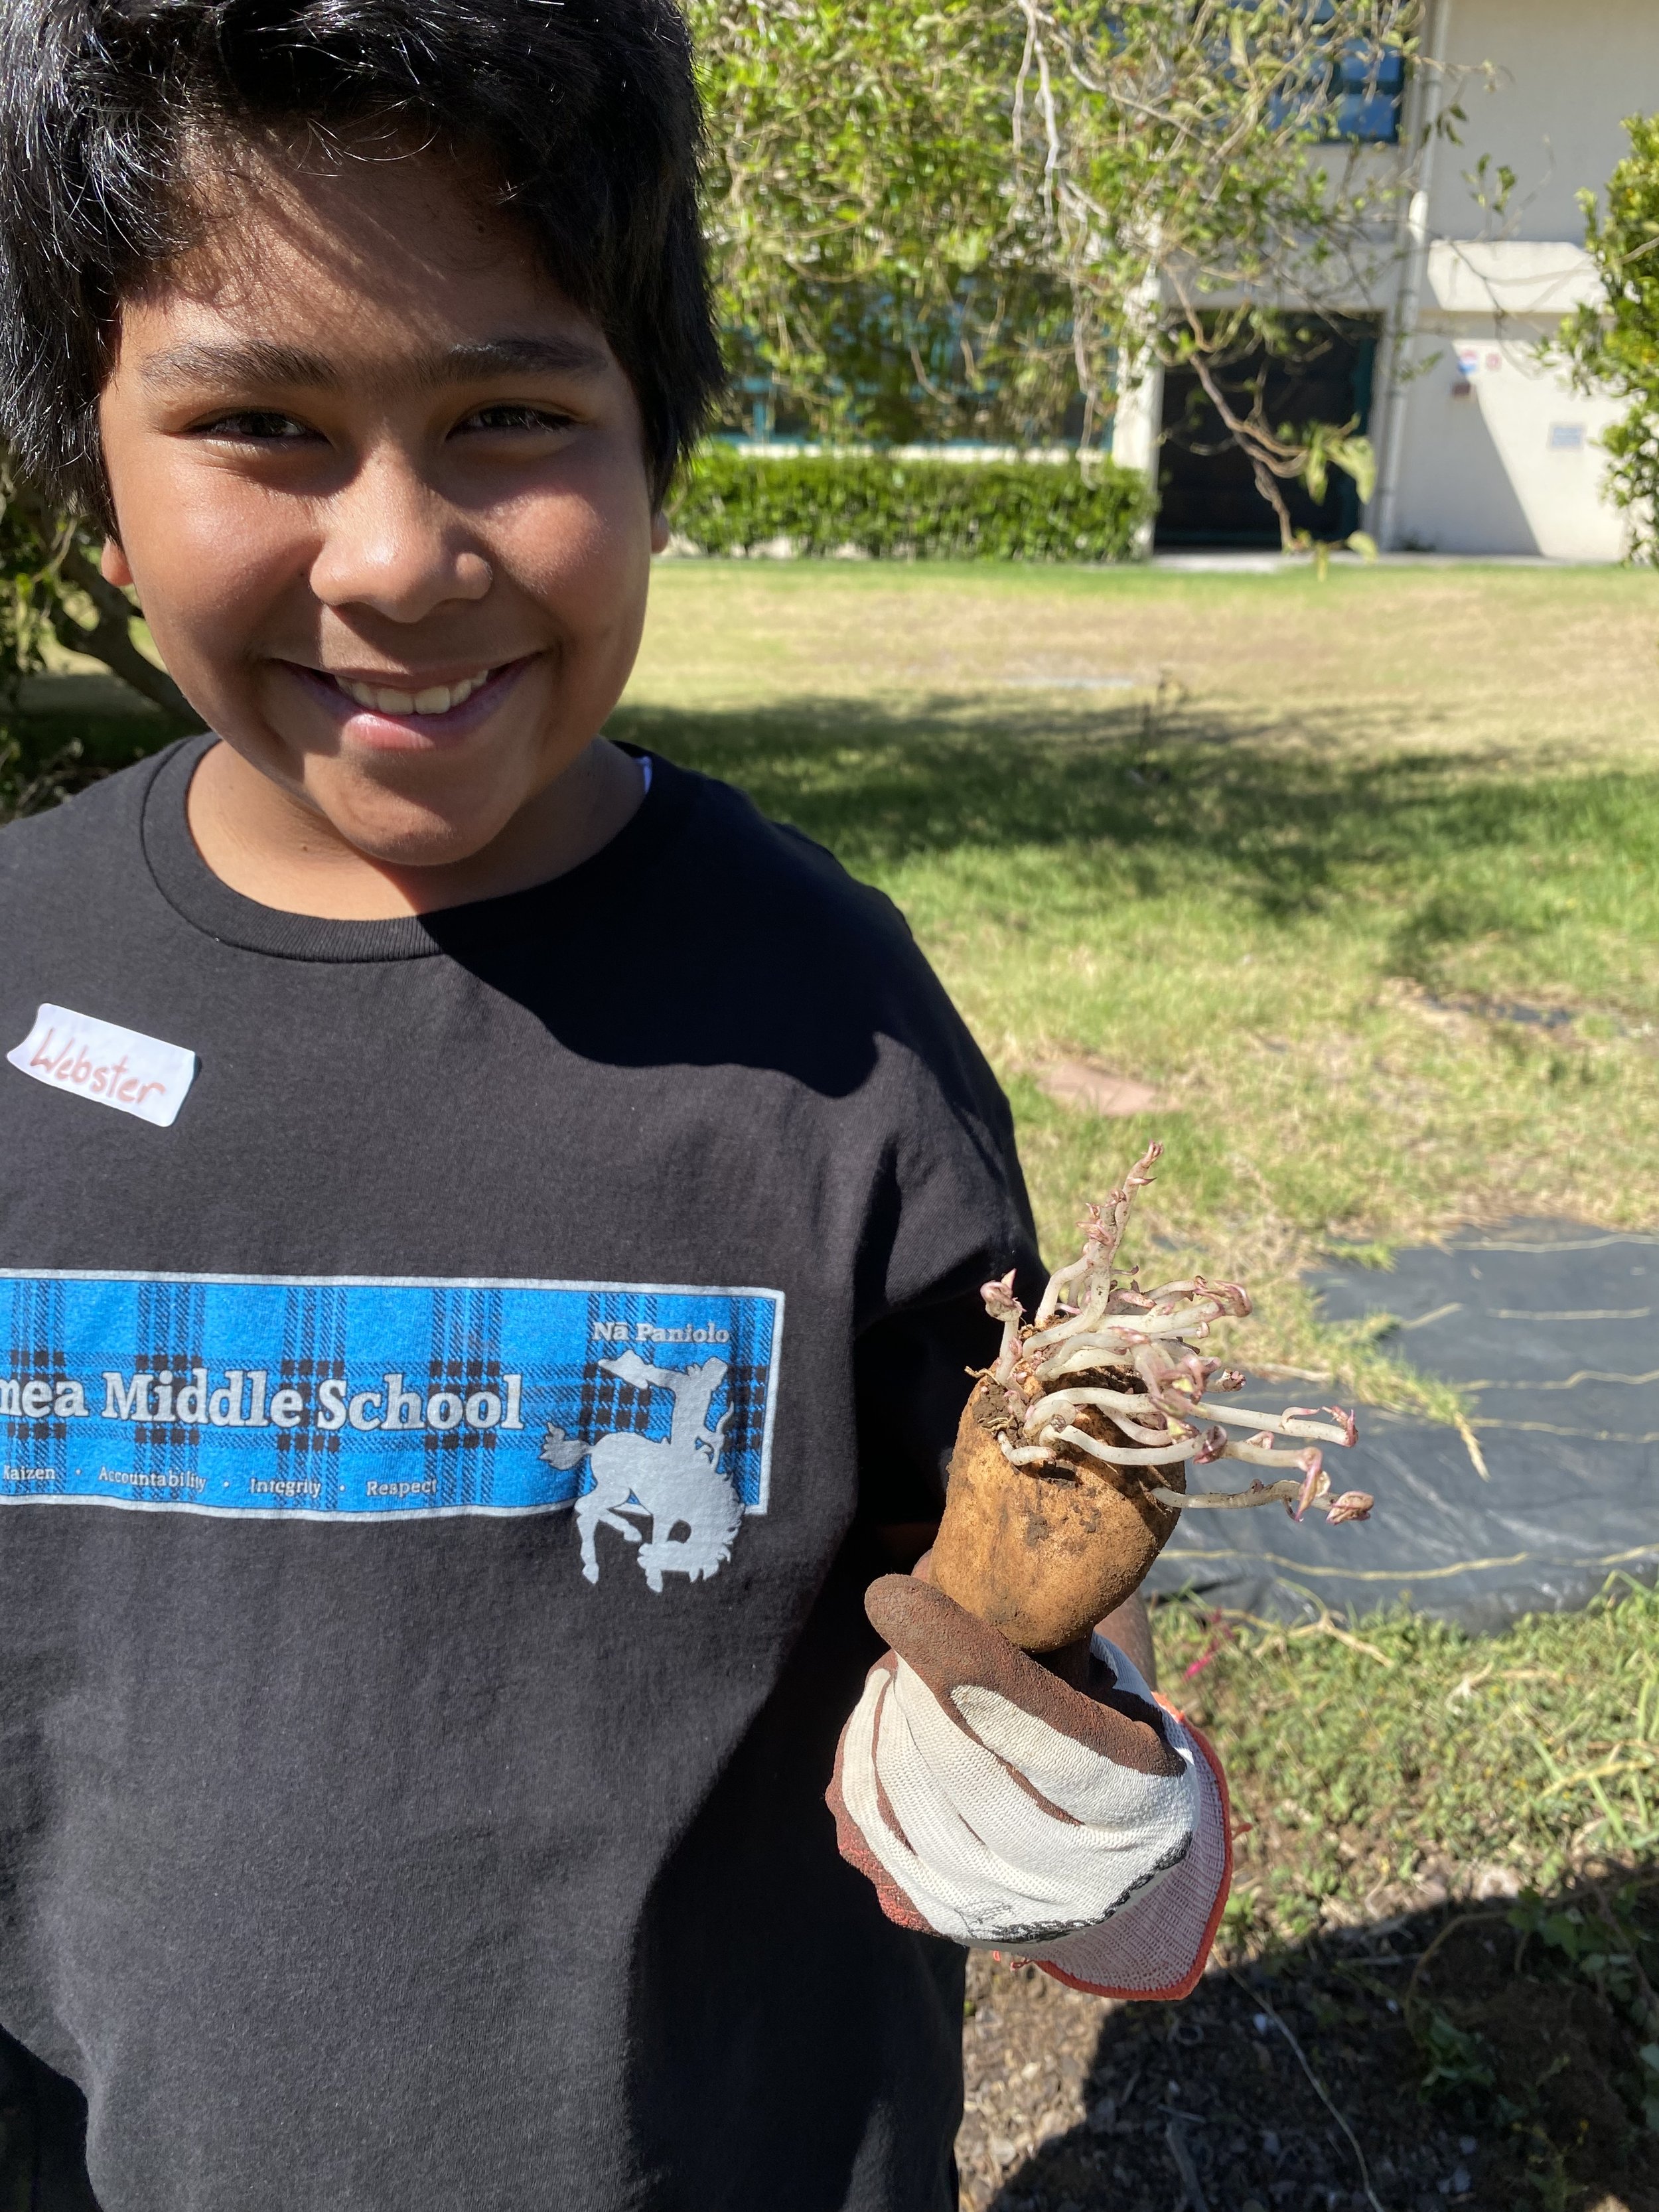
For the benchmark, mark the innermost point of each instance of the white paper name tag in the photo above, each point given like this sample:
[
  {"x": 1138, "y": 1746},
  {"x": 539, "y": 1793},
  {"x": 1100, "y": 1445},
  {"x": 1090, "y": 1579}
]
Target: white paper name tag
[{"x": 113, "y": 1066}]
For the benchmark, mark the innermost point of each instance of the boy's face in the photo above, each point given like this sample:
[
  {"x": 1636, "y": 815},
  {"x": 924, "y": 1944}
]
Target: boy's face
[{"x": 383, "y": 494}]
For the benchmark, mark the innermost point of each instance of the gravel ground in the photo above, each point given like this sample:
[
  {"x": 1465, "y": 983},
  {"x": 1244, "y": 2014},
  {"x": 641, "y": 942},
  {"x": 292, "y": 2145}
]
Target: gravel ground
[{"x": 1297, "y": 2085}]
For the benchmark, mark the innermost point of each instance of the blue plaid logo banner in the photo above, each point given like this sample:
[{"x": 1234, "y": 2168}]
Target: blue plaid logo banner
[{"x": 647, "y": 1408}]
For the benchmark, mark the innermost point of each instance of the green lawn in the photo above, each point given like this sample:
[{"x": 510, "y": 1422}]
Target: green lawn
[{"x": 1359, "y": 877}]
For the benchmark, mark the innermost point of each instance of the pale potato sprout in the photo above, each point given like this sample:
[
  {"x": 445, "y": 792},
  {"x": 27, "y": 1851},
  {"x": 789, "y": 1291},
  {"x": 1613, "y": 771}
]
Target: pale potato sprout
[{"x": 1098, "y": 1340}]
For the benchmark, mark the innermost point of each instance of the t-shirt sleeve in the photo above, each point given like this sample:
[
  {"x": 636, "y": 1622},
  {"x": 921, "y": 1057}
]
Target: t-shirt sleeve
[
  {"x": 942, "y": 1202},
  {"x": 956, "y": 1215},
  {"x": 912, "y": 1380}
]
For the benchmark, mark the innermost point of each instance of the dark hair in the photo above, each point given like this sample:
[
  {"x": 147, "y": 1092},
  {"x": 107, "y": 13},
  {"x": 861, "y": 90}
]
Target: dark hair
[{"x": 584, "y": 112}]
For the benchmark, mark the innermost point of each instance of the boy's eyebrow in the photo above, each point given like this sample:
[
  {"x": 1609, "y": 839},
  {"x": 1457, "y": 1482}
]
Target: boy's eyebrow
[
  {"x": 246, "y": 361},
  {"x": 568, "y": 355},
  {"x": 261, "y": 361}
]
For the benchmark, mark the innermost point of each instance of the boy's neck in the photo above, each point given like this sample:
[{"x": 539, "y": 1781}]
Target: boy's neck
[{"x": 270, "y": 846}]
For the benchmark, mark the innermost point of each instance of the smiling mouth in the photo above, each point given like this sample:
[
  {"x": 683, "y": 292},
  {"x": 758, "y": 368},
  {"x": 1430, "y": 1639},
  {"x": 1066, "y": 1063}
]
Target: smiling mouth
[{"x": 434, "y": 699}]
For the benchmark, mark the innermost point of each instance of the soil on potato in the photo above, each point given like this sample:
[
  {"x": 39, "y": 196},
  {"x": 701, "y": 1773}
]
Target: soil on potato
[{"x": 1535, "y": 2095}]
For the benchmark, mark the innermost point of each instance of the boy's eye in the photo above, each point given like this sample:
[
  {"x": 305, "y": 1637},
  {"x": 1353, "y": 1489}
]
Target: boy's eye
[
  {"x": 255, "y": 426},
  {"x": 515, "y": 415}
]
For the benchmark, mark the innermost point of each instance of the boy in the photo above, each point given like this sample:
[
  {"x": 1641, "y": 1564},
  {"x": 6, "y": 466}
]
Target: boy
[{"x": 492, "y": 1228}]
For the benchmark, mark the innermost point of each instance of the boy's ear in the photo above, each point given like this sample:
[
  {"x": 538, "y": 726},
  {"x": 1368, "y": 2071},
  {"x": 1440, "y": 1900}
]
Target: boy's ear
[
  {"x": 113, "y": 563},
  {"x": 658, "y": 532}
]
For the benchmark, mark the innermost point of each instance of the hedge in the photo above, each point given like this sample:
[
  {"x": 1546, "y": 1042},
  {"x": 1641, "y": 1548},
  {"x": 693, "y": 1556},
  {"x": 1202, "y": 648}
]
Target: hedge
[{"x": 730, "y": 502}]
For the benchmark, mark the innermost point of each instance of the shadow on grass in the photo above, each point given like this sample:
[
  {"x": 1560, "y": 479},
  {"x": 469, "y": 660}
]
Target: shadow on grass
[
  {"x": 1483, "y": 2054},
  {"x": 1131, "y": 801},
  {"x": 1156, "y": 799}
]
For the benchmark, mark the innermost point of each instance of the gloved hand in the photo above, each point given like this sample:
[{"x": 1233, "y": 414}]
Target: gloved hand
[{"x": 990, "y": 1801}]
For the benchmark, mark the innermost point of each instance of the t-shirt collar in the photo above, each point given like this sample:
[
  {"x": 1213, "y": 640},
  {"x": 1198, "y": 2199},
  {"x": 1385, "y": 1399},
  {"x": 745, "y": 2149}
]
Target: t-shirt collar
[{"x": 190, "y": 886}]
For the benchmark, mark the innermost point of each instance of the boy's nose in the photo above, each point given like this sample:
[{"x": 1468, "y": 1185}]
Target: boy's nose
[{"x": 391, "y": 543}]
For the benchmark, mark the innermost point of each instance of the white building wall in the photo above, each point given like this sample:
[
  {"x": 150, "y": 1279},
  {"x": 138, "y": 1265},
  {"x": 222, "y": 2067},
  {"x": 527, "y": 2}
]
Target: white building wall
[
  {"x": 1565, "y": 77},
  {"x": 1502, "y": 460},
  {"x": 1496, "y": 454}
]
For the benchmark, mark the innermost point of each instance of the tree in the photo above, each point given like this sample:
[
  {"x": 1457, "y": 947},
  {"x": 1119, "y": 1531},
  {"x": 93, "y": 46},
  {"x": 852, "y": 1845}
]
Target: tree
[
  {"x": 50, "y": 587},
  {"x": 1067, "y": 193},
  {"x": 1613, "y": 345},
  {"x": 1202, "y": 177},
  {"x": 860, "y": 208}
]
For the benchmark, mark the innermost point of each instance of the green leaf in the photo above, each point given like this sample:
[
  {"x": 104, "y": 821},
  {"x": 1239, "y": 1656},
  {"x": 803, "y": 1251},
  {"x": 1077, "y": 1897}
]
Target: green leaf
[{"x": 1359, "y": 458}]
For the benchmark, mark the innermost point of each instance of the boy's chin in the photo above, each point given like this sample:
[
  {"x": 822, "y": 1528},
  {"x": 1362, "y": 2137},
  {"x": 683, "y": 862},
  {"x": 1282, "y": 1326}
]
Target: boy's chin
[
  {"x": 390, "y": 831},
  {"x": 423, "y": 847}
]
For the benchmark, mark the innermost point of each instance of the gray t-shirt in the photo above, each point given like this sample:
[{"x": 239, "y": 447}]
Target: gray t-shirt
[{"x": 442, "y": 1466}]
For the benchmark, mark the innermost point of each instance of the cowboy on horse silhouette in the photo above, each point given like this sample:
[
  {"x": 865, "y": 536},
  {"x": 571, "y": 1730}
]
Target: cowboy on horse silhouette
[{"x": 675, "y": 1484}]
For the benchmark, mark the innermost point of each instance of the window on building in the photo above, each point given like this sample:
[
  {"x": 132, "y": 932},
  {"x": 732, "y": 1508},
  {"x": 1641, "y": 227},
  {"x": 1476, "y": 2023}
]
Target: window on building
[
  {"x": 1368, "y": 86},
  {"x": 1355, "y": 88}
]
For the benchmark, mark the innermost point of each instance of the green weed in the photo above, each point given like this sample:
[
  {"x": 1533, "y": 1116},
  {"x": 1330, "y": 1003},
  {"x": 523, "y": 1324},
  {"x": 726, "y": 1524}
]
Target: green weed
[{"x": 1368, "y": 1759}]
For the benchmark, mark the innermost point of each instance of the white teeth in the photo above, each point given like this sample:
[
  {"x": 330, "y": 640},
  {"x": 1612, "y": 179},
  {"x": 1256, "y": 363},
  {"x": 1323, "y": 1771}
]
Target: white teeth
[{"x": 436, "y": 699}]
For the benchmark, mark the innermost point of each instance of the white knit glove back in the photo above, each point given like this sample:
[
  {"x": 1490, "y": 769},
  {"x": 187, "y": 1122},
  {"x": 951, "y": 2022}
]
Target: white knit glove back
[
  {"x": 999, "y": 1827},
  {"x": 992, "y": 1802}
]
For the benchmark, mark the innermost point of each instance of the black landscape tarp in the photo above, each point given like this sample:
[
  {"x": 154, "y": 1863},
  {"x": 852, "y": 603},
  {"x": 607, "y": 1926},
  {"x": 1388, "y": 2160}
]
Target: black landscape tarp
[{"x": 1553, "y": 1331}]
